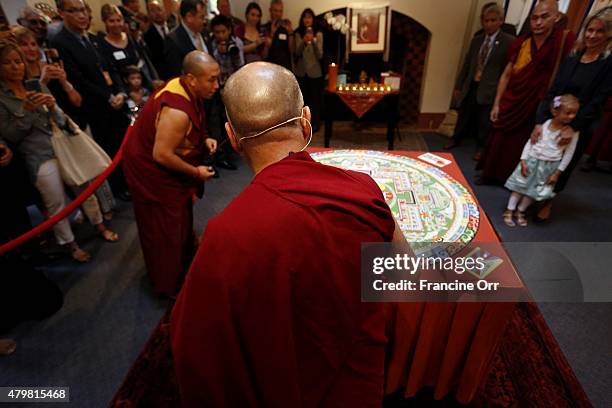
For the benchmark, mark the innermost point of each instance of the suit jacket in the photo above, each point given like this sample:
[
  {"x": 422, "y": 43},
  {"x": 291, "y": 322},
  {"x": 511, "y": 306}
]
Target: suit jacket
[
  {"x": 84, "y": 68},
  {"x": 176, "y": 45},
  {"x": 155, "y": 48},
  {"x": 491, "y": 72}
]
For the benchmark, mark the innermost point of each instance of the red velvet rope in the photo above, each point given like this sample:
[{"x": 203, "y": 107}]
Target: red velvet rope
[{"x": 50, "y": 222}]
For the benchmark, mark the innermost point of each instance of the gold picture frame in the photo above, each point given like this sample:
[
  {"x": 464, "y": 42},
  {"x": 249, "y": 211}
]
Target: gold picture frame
[{"x": 368, "y": 29}]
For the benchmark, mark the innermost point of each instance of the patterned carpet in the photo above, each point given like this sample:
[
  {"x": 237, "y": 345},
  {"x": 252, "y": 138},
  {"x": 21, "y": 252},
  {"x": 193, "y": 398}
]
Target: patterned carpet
[{"x": 528, "y": 369}]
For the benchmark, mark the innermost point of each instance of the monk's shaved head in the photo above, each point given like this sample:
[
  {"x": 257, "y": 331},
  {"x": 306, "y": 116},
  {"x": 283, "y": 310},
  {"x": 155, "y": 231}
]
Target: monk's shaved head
[
  {"x": 196, "y": 62},
  {"x": 549, "y": 5},
  {"x": 544, "y": 16},
  {"x": 261, "y": 95}
]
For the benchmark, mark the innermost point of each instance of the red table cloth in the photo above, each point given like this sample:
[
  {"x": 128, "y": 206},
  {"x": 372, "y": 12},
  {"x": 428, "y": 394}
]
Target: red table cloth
[
  {"x": 360, "y": 102},
  {"x": 447, "y": 346}
]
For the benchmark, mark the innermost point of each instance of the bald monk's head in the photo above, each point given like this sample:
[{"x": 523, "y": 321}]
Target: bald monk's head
[
  {"x": 258, "y": 97},
  {"x": 544, "y": 16},
  {"x": 201, "y": 73},
  {"x": 261, "y": 95}
]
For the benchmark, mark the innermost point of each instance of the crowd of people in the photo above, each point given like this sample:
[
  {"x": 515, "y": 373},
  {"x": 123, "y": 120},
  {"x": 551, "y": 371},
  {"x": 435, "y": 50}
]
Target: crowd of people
[
  {"x": 100, "y": 80},
  {"x": 534, "y": 101}
]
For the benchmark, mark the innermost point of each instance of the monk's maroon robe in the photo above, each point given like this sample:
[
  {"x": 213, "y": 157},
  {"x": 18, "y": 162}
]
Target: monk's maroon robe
[
  {"x": 162, "y": 198},
  {"x": 517, "y": 109},
  {"x": 270, "y": 313}
]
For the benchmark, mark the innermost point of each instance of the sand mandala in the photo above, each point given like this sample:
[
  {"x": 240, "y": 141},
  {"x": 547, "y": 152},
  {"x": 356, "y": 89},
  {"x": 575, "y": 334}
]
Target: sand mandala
[{"x": 436, "y": 213}]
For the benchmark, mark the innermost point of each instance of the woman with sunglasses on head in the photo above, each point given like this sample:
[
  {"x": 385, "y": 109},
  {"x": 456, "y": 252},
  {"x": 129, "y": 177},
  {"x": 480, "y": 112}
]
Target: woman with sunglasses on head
[{"x": 28, "y": 118}]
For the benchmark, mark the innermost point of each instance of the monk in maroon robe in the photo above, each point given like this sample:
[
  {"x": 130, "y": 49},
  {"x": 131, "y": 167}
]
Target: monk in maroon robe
[
  {"x": 532, "y": 60},
  {"x": 270, "y": 313},
  {"x": 162, "y": 164}
]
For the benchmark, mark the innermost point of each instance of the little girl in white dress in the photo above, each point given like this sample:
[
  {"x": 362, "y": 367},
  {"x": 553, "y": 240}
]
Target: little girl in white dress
[{"x": 542, "y": 162}]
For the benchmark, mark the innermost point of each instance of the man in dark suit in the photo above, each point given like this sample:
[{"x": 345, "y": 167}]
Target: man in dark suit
[
  {"x": 186, "y": 37},
  {"x": 477, "y": 82},
  {"x": 154, "y": 37},
  {"x": 100, "y": 88}
]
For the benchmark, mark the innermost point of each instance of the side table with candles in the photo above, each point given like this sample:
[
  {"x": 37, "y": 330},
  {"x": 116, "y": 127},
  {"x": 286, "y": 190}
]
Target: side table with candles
[{"x": 364, "y": 101}]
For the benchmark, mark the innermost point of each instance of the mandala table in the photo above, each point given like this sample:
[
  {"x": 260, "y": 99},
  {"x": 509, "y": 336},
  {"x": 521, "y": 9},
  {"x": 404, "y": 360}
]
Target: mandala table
[{"x": 447, "y": 346}]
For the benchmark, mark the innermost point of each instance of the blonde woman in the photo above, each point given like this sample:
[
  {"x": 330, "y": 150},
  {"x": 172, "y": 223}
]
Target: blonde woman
[
  {"x": 26, "y": 117},
  {"x": 587, "y": 74},
  {"x": 52, "y": 74}
]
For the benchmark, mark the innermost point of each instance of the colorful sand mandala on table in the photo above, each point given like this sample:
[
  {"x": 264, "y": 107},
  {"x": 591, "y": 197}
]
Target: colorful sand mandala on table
[{"x": 430, "y": 206}]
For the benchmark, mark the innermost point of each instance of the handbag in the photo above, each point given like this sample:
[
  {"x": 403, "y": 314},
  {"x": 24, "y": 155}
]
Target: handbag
[{"x": 79, "y": 157}]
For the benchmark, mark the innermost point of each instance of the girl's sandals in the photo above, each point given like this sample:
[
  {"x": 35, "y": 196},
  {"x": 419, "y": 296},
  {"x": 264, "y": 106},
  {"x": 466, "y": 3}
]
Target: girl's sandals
[
  {"x": 109, "y": 236},
  {"x": 508, "y": 218},
  {"x": 7, "y": 346},
  {"x": 520, "y": 219},
  {"x": 79, "y": 255}
]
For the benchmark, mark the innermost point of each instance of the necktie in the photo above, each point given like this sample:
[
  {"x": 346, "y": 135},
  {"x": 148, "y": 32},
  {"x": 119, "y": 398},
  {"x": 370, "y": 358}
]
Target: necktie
[
  {"x": 482, "y": 57},
  {"x": 199, "y": 45},
  {"x": 85, "y": 41}
]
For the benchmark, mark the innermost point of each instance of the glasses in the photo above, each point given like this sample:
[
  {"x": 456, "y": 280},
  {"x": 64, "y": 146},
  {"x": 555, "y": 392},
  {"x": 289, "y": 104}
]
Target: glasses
[
  {"x": 36, "y": 22},
  {"x": 76, "y": 11}
]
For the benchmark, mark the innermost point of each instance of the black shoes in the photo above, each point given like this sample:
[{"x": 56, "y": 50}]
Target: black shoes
[
  {"x": 125, "y": 196},
  {"x": 226, "y": 164}
]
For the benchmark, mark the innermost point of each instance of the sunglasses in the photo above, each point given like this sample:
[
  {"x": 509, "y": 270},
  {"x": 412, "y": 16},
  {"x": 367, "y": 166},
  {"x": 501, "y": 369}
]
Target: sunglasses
[{"x": 36, "y": 22}]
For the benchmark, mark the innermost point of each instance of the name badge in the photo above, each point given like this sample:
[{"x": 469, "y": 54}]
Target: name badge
[
  {"x": 282, "y": 36},
  {"x": 119, "y": 55}
]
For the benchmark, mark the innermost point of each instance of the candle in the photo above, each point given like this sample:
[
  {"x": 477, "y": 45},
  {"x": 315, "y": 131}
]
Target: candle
[
  {"x": 340, "y": 88},
  {"x": 332, "y": 75}
]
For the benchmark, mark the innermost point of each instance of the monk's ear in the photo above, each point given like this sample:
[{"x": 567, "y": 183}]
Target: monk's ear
[
  {"x": 191, "y": 80},
  {"x": 232, "y": 138},
  {"x": 305, "y": 122}
]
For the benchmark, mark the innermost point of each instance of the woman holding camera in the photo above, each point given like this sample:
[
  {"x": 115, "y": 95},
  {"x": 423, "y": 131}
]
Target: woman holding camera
[
  {"x": 308, "y": 54},
  {"x": 52, "y": 75},
  {"x": 52, "y": 70},
  {"x": 27, "y": 118}
]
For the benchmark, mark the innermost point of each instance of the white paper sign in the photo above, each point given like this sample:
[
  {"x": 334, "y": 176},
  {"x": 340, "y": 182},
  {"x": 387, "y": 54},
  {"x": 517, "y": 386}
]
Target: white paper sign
[{"x": 435, "y": 159}]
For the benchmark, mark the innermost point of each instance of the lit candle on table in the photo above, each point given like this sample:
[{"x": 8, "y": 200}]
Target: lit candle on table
[{"x": 332, "y": 75}]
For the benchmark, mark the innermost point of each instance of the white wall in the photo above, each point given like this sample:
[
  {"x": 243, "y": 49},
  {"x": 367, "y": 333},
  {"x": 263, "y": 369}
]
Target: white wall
[{"x": 449, "y": 22}]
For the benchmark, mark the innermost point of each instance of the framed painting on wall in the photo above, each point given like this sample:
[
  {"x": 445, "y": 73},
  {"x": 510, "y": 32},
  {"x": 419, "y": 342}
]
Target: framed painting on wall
[{"x": 368, "y": 29}]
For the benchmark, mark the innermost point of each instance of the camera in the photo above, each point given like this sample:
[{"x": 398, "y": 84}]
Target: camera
[
  {"x": 232, "y": 48},
  {"x": 52, "y": 55}
]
